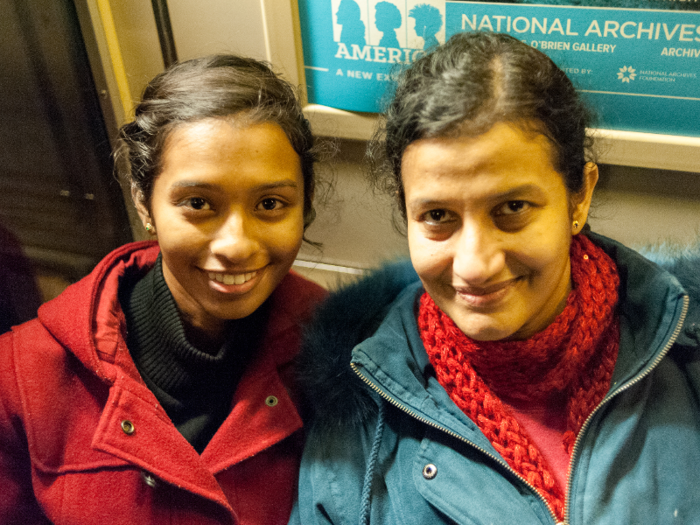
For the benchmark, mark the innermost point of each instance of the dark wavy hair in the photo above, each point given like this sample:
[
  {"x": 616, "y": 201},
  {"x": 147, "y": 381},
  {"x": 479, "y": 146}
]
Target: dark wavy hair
[
  {"x": 222, "y": 86},
  {"x": 467, "y": 85}
]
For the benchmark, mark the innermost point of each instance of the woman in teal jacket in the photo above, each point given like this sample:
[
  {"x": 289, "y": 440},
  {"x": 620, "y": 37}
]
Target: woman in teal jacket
[{"x": 532, "y": 371}]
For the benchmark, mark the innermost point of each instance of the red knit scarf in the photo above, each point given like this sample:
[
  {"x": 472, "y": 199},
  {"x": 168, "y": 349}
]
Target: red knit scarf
[{"x": 575, "y": 355}]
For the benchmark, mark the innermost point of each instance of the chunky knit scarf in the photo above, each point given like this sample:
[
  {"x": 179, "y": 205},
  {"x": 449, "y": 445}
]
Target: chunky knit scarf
[{"x": 575, "y": 356}]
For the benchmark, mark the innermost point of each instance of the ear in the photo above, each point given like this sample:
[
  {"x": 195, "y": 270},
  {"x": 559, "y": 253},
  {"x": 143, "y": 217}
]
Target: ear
[
  {"x": 581, "y": 201},
  {"x": 140, "y": 205}
]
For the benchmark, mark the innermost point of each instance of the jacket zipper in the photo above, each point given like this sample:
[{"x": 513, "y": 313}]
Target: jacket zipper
[
  {"x": 577, "y": 442},
  {"x": 605, "y": 401},
  {"x": 453, "y": 434}
]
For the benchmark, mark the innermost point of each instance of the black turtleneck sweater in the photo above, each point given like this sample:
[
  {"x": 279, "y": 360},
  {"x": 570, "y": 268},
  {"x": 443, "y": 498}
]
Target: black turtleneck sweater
[{"x": 194, "y": 387}]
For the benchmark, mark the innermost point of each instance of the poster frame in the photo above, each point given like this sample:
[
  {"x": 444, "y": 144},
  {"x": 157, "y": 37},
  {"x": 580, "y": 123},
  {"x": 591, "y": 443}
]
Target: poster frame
[{"x": 624, "y": 148}]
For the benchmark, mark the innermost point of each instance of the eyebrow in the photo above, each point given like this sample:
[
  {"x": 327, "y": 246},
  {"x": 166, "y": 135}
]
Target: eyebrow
[
  {"x": 512, "y": 193},
  {"x": 518, "y": 190},
  {"x": 286, "y": 183}
]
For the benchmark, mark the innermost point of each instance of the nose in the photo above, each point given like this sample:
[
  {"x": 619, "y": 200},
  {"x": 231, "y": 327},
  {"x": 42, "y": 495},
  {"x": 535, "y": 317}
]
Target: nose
[
  {"x": 234, "y": 239},
  {"x": 478, "y": 254}
]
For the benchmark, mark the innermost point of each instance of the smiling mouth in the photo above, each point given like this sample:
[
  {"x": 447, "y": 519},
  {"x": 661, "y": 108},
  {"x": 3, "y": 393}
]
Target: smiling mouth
[
  {"x": 484, "y": 291},
  {"x": 485, "y": 297},
  {"x": 232, "y": 278}
]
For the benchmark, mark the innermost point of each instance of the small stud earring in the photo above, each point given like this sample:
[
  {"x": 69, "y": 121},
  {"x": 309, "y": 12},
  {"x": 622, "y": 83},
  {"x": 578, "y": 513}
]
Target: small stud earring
[
  {"x": 575, "y": 226},
  {"x": 150, "y": 228}
]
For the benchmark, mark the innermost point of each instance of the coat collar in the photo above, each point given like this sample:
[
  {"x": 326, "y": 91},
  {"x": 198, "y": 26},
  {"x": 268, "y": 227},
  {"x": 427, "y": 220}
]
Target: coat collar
[
  {"x": 94, "y": 329},
  {"x": 651, "y": 307}
]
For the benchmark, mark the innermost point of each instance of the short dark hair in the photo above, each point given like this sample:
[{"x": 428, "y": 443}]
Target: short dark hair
[
  {"x": 210, "y": 87},
  {"x": 472, "y": 82}
]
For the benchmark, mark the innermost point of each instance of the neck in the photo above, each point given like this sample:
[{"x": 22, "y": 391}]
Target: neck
[{"x": 208, "y": 340}]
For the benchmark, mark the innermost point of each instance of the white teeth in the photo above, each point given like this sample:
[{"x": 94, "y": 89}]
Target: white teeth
[{"x": 232, "y": 278}]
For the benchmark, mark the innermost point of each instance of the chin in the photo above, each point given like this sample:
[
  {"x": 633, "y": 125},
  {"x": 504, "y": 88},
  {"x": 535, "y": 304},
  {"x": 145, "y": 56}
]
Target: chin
[
  {"x": 485, "y": 331},
  {"x": 489, "y": 335},
  {"x": 228, "y": 312}
]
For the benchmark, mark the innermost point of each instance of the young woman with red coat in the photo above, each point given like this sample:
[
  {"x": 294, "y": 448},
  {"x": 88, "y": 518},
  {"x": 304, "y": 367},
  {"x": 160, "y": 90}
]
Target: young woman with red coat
[{"x": 159, "y": 388}]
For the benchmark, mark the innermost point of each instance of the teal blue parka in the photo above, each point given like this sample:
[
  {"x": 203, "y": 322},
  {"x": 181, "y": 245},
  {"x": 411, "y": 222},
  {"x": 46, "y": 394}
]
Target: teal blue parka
[{"x": 389, "y": 446}]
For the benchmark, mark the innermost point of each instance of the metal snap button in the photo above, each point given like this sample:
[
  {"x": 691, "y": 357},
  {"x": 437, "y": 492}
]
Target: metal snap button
[
  {"x": 149, "y": 479},
  {"x": 271, "y": 401},
  {"x": 128, "y": 427},
  {"x": 429, "y": 471}
]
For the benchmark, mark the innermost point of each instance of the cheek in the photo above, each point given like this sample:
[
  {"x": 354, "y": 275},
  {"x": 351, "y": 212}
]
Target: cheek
[
  {"x": 176, "y": 240},
  {"x": 547, "y": 253},
  {"x": 172, "y": 231},
  {"x": 284, "y": 239},
  {"x": 429, "y": 258},
  {"x": 549, "y": 237}
]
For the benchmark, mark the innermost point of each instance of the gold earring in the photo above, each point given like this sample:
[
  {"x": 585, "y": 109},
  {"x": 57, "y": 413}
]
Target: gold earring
[
  {"x": 575, "y": 226},
  {"x": 150, "y": 228}
]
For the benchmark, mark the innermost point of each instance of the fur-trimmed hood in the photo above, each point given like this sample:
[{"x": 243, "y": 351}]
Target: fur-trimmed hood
[
  {"x": 338, "y": 396},
  {"x": 346, "y": 318}
]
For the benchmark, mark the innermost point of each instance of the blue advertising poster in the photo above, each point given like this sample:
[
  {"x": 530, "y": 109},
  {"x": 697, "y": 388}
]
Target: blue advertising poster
[{"x": 639, "y": 68}]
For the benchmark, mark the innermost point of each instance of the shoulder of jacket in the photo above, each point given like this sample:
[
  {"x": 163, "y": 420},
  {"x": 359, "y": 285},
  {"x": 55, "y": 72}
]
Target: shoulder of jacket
[
  {"x": 30, "y": 356},
  {"x": 32, "y": 336},
  {"x": 298, "y": 296},
  {"x": 682, "y": 261},
  {"x": 352, "y": 314},
  {"x": 88, "y": 312}
]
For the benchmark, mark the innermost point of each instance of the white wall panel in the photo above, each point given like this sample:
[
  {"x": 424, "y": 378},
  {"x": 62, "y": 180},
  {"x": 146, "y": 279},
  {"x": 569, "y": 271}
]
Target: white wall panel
[{"x": 217, "y": 26}]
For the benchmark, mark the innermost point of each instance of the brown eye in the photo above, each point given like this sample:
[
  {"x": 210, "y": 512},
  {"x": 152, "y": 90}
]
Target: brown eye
[
  {"x": 512, "y": 207},
  {"x": 197, "y": 203},
  {"x": 270, "y": 204},
  {"x": 436, "y": 215}
]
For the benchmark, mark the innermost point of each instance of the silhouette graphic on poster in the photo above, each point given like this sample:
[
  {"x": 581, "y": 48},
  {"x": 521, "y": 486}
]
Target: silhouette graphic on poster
[
  {"x": 348, "y": 15},
  {"x": 428, "y": 23},
  {"x": 387, "y": 20}
]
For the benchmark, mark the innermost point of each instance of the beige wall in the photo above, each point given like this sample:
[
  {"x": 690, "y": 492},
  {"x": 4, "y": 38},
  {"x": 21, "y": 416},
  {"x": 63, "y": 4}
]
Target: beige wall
[
  {"x": 138, "y": 41},
  {"x": 642, "y": 206},
  {"x": 217, "y": 26}
]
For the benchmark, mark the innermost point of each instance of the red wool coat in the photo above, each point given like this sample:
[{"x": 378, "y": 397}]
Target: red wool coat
[{"x": 84, "y": 441}]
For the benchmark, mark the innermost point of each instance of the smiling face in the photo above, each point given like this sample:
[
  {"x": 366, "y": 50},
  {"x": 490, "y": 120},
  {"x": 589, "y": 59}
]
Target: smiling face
[
  {"x": 489, "y": 229},
  {"x": 228, "y": 211}
]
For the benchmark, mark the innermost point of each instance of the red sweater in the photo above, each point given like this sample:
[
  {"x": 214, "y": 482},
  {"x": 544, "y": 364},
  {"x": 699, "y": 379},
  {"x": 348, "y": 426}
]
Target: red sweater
[{"x": 69, "y": 392}]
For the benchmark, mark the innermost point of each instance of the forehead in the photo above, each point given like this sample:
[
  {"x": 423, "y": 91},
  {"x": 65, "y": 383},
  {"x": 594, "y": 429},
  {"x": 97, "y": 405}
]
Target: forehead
[
  {"x": 219, "y": 140},
  {"x": 504, "y": 156},
  {"x": 231, "y": 152},
  {"x": 207, "y": 132}
]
